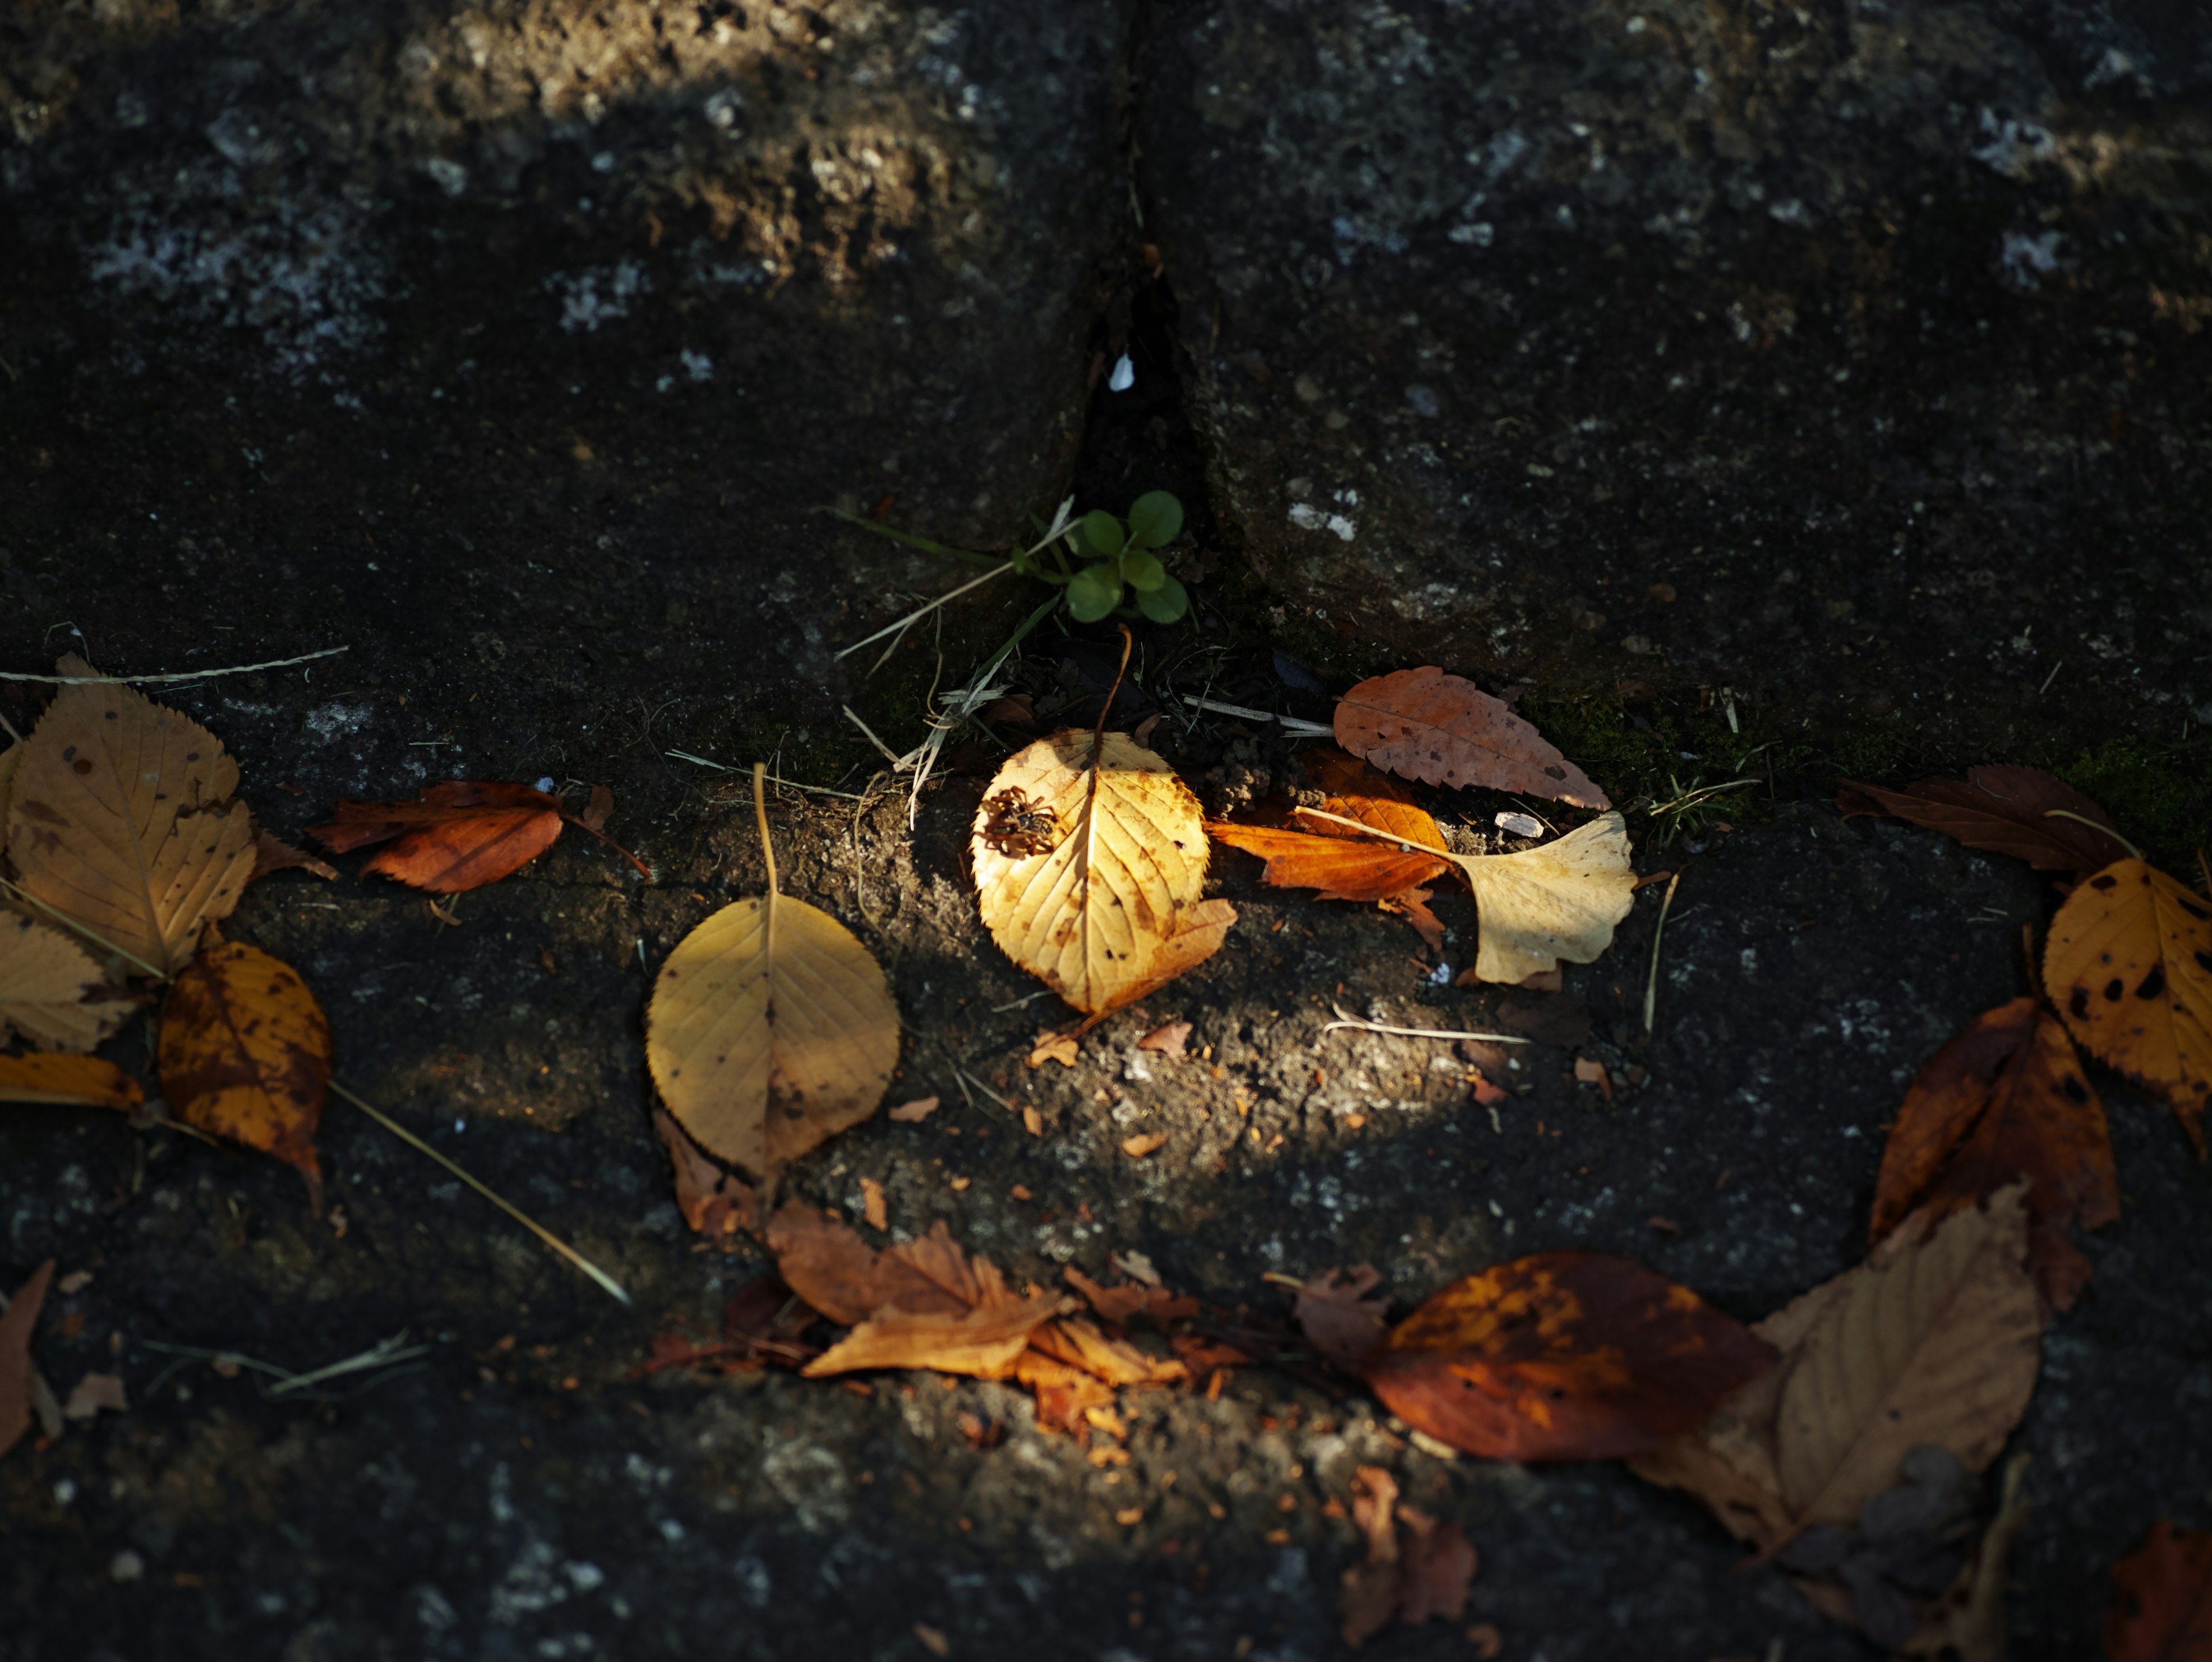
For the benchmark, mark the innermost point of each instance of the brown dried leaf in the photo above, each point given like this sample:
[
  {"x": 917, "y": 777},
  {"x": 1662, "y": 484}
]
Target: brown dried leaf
[
  {"x": 1138, "y": 1146},
  {"x": 2005, "y": 810},
  {"x": 1934, "y": 1339},
  {"x": 1414, "y": 1572},
  {"x": 46, "y": 981},
  {"x": 124, "y": 819},
  {"x": 1090, "y": 858},
  {"x": 2162, "y": 1609},
  {"x": 713, "y": 1201},
  {"x": 94, "y": 1393},
  {"x": 1342, "y": 1316},
  {"x": 272, "y": 852},
  {"x": 454, "y": 836},
  {"x": 873, "y": 1207},
  {"x": 17, "y": 1323},
  {"x": 1168, "y": 1039},
  {"x": 1080, "y": 1344},
  {"x": 244, "y": 1052},
  {"x": 1424, "y": 724},
  {"x": 2002, "y": 1102},
  {"x": 75, "y": 1082},
  {"x": 913, "y": 1113}
]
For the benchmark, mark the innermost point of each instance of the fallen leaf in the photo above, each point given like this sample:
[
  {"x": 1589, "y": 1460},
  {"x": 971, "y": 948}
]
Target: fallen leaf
[
  {"x": 1342, "y": 1316},
  {"x": 1135, "y": 1265},
  {"x": 1562, "y": 1355},
  {"x": 1424, "y": 724},
  {"x": 771, "y": 1028},
  {"x": 913, "y": 1112},
  {"x": 597, "y": 809},
  {"x": 1335, "y": 859},
  {"x": 1967, "y": 1623},
  {"x": 932, "y": 1641},
  {"x": 1589, "y": 1070},
  {"x": 1090, "y": 857},
  {"x": 1168, "y": 1039},
  {"x": 244, "y": 1052},
  {"x": 272, "y": 852},
  {"x": 94, "y": 1393},
  {"x": 761, "y": 1325},
  {"x": 1415, "y": 1575},
  {"x": 124, "y": 819},
  {"x": 1559, "y": 901},
  {"x": 2162, "y": 1609},
  {"x": 1032, "y": 1121},
  {"x": 1934, "y": 1339},
  {"x": 1412, "y": 905},
  {"x": 16, "y": 1322},
  {"x": 2005, "y": 810},
  {"x": 1137, "y": 1148},
  {"x": 47, "y": 983},
  {"x": 76, "y": 1081},
  {"x": 2129, "y": 964},
  {"x": 1080, "y": 1344},
  {"x": 2003, "y": 1101},
  {"x": 1122, "y": 1305},
  {"x": 920, "y": 1304},
  {"x": 454, "y": 836},
  {"x": 713, "y": 1202},
  {"x": 1064, "y": 1394},
  {"x": 873, "y": 1207},
  {"x": 1054, "y": 1047}
]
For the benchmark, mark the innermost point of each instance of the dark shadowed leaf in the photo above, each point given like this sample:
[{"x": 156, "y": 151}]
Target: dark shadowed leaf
[
  {"x": 2004, "y": 809},
  {"x": 2162, "y": 1609}
]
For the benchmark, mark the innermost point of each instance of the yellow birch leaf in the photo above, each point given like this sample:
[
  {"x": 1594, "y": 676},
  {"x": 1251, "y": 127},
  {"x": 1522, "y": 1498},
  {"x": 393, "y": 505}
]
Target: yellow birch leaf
[
  {"x": 124, "y": 819},
  {"x": 245, "y": 1054},
  {"x": 2129, "y": 964},
  {"x": 1089, "y": 857},
  {"x": 44, "y": 979},
  {"x": 771, "y": 1028},
  {"x": 75, "y": 1082}
]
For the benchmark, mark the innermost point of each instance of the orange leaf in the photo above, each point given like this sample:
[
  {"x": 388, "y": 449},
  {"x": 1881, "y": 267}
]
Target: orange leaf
[
  {"x": 84, "y": 1081},
  {"x": 1081, "y": 1345},
  {"x": 457, "y": 835},
  {"x": 2005, "y": 1100},
  {"x": 1563, "y": 1356},
  {"x": 15, "y": 1324},
  {"x": 1339, "y": 867},
  {"x": 1424, "y": 724},
  {"x": 245, "y": 1053},
  {"x": 2005, "y": 810},
  {"x": 2128, "y": 963},
  {"x": 1138, "y": 1146},
  {"x": 2161, "y": 1607}
]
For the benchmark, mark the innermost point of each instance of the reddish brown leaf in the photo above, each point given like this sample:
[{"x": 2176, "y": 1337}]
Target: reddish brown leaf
[
  {"x": 2005, "y": 810},
  {"x": 1563, "y": 1356},
  {"x": 1342, "y": 1316},
  {"x": 1435, "y": 1564},
  {"x": 15, "y": 1324},
  {"x": 713, "y": 1202},
  {"x": 761, "y": 1325},
  {"x": 1424, "y": 724},
  {"x": 1081, "y": 1344},
  {"x": 1415, "y": 1570},
  {"x": 2006, "y": 1099},
  {"x": 1122, "y": 1305},
  {"x": 455, "y": 837},
  {"x": 1412, "y": 905},
  {"x": 274, "y": 854},
  {"x": 2162, "y": 1609},
  {"x": 1168, "y": 1039},
  {"x": 1369, "y": 1592},
  {"x": 597, "y": 810}
]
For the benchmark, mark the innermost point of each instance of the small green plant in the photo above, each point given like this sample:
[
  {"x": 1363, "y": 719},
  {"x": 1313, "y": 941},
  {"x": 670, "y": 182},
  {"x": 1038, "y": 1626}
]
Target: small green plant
[{"x": 1126, "y": 563}]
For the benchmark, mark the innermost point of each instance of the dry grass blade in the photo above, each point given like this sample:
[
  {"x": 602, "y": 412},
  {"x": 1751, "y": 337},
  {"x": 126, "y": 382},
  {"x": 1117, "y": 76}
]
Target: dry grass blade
[
  {"x": 124, "y": 820},
  {"x": 771, "y": 1027}
]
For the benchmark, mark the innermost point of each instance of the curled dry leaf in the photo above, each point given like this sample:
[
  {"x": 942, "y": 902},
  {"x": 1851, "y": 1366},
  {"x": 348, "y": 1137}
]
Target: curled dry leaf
[
  {"x": 2005, "y": 810},
  {"x": 1081, "y": 1344},
  {"x": 2128, "y": 963},
  {"x": 1934, "y": 1339},
  {"x": 2162, "y": 1609},
  {"x": 913, "y": 1113},
  {"x": 921, "y": 1304},
  {"x": 1562, "y": 1356},
  {"x": 272, "y": 852},
  {"x": 771, "y": 1028},
  {"x": 1343, "y": 1316},
  {"x": 94, "y": 1393},
  {"x": 124, "y": 819},
  {"x": 46, "y": 983},
  {"x": 75, "y": 1082},
  {"x": 713, "y": 1201},
  {"x": 454, "y": 836},
  {"x": 2005, "y": 1100},
  {"x": 1122, "y": 1305},
  {"x": 1167, "y": 1039},
  {"x": 1416, "y": 1567},
  {"x": 17, "y": 1323},
  {"x": 1424, "y": 724},
  {"x": 1090, "y": 857},
  {"x": 245, "y": 1053}
]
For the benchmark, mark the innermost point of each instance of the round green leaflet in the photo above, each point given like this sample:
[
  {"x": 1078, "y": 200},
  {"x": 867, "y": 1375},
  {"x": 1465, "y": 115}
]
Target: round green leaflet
[
  {"x": 1103, "y": 531},
  {"x": 1142, "y": 571},
  {"x": 1155, "y": 519},
  {"x": 1093, "y": 592},
  {"x": 1166, "y": 603}
]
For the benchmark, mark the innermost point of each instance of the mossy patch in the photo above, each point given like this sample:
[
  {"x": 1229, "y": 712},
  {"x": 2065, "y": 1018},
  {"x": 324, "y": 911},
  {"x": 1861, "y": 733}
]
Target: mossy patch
[{"x": 2160, "y": 797}]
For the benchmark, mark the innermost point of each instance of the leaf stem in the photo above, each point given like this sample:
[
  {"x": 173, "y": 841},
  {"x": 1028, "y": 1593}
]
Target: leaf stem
[
  {"x": 768, "y": 853},
  {"x": 497, "y": 1199},
  {"x": 1651, "y": 985},
  {"x": 2069, "y": 813}
]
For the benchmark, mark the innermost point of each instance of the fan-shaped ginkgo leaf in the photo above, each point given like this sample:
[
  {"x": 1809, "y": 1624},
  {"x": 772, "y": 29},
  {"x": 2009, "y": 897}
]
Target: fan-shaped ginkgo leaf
[
  {"x": 771, "y": 1028},
  {"x": 1090, "y": 855},
  {"x": 245, "y": 1053},
  {"x": 2128, "y": 963},
  {"x": 44, "y": 980},
  {"x": 1424, "y": 724},
  {"x": 124, "y": 820},
  {"x": 1556, "y": 901}
]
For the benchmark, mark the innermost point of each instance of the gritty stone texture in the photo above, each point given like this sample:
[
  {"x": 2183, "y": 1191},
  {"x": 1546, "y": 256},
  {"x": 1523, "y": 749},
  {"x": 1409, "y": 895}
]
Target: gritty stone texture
[
  {"x": 1875, "y": 332},
  {"x": 454, "y": 326}
]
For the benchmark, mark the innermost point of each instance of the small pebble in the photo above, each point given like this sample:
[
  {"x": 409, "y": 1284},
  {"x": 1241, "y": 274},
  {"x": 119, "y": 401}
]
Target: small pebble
[{"x": 125, "y": 1566}]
